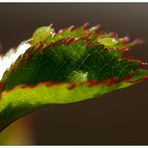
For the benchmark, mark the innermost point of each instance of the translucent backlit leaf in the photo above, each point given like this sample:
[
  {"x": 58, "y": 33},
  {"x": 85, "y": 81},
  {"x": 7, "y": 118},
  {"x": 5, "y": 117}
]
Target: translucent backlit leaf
[{"x": 71, "y": 65}]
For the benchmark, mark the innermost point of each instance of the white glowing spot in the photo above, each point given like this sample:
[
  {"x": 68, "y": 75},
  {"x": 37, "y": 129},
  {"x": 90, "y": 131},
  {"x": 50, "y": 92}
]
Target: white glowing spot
[{"x": 11, "y": 56}]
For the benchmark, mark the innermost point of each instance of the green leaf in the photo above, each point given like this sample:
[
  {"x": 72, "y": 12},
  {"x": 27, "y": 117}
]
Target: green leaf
[{"x": 69, "y": 66}]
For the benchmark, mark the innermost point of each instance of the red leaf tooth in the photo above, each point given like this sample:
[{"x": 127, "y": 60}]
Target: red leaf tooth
[
  {"x": 143, "y": 63},
  {"x": 128, "y": 77},
  {"x": 125, "y": 50},
  {"x": 41, "y": 47},
  {"x": 137, "y": 42},
  {"x": 93, "y": 83},
  {"x": 144, "y": 78},
  {"x": 71, "y": 27},
  {"x": 124, "y": 39},
  {"x": 25, "y": 57},
  {"x": 60, "y": 31},
  {"x": 53, "y": 34},
  {"x": 139, "y": 80},
  {"x": 140, "y": 63},
  {"x": 113, "y": 34},
  {"x": 1, "y": 84},
  {"x": 69, "y": 40},
  {"x": 51, "y": 45},
  {"x": 95, "y": 28},
  {"x": 85, "y": 26},
  {"x": 110, "y": 81},
  {"x": 73, "y": 85}
]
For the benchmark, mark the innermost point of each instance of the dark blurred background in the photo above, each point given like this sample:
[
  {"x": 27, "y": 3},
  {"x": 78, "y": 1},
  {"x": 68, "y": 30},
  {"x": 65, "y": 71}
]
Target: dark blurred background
[{"x": 120, "y": 117}]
